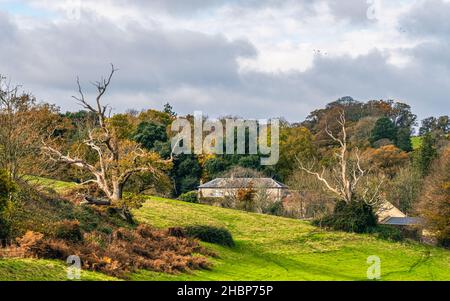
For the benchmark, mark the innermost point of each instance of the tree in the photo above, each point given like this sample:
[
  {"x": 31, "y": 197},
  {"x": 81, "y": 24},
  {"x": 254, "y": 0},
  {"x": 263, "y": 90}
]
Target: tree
[
  {"x": 148, "y": 133},
  {"x": 362, "y": 131},
  {"x": 6, "y": 188},
  {"x": 434, "y": 203},
  {"x": 246, "y": 198},
  {"x": 384, "y": 129},
  {"x": 186, "y": 173},
  {"x": 401, "y": 115},
  {"x": 294, "y": 141},
  {"x": 403, "y": 139},
  {"x": 428, "y": 125},
  {"x": 426, "y": 154},
  {"x": 432, "y": 124},
  {"x": 116, "y": 159},
  {"x": 387, "y": 159},
  {"x": 169, "y": 110},
  {"x": 403, "y": 190},
  {"x": 215, "y": 166},
  {"x": 23, "y": 122},
  {"x": 345, "y": 179}
]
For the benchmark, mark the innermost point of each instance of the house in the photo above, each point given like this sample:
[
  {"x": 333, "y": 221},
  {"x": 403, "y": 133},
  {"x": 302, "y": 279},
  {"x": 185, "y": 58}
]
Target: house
[
  {"x": 388, "y": 214},
  {"x": 223, "y": 187}
]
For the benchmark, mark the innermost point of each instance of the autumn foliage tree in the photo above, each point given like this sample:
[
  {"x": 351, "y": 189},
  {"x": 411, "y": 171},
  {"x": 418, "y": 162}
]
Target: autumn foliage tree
[
  {"x": 387, "y": 159},
  {"x": 23, "y": 121},
  {"x": 434, "y": 203}
]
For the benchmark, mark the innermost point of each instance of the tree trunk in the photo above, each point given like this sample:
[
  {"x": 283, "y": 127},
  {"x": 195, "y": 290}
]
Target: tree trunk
[
  {"x": 99, "y": 202},
  {"x": 117, "y": 192}
]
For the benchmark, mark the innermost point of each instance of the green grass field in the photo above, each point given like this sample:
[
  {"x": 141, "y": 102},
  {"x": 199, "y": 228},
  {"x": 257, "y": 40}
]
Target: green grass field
[
  {"x": 267, "y": 248},
  {"x": 41, "y": 270},
  {"x": 416, "y": 142},
  {"x": 275, "y": 248}
]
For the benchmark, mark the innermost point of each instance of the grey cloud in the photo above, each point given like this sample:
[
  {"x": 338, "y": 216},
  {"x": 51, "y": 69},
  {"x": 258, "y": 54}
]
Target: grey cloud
[
  {"x": 54, "y": 54},
  {"x": 185, "y": 7},
  {"x": 428, "y": 18},
  {"x": 197, "y": 71},
  {"x": 353, "y": 10}
]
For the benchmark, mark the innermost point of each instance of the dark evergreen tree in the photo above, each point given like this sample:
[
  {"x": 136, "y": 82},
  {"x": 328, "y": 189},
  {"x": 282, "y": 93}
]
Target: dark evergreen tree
[
  {"x": 384, "y": 129},
  {"x": 403, "y": 140},
  {"x": 426, "y": 154},
  {"x": 148, "y": 133},
  {"x": 169, "y": 110},
  {"x": 186, "y": 173}
]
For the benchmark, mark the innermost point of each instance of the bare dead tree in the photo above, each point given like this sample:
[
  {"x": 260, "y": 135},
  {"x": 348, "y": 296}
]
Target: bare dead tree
[
  {"x": 344, "y": 180},
  {"x": 117, "y": 160}
]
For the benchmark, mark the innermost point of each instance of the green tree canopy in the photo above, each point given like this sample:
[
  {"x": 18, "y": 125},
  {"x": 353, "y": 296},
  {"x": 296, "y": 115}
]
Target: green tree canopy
[
  {"x": 384, "y": 129},
  {"x": 148, "y": 133}
]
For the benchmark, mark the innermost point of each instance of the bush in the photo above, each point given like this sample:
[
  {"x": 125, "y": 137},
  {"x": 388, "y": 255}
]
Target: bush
[
  {"x": 68, "y": 230},
  {"x": 190, "y": 197},
  {"x": 356, "y": 216},
  {"x": 443, "y": 239},
  {"x": 276, "y": 209},
  {"x": 388, "y": 233},
  {"x": 6, "y": 188},
  {"x": 211, "y": 234}
]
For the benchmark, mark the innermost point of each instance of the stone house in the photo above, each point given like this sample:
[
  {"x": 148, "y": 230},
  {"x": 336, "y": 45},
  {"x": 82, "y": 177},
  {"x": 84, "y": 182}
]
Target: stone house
[{"x": 224, "y": 187}]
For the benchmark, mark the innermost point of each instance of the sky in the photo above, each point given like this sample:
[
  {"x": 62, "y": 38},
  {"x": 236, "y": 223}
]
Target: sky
[{"x": 249, "y": 58}]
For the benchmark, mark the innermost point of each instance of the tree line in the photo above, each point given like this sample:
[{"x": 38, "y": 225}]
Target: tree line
[{"x": 346, "y": 151}]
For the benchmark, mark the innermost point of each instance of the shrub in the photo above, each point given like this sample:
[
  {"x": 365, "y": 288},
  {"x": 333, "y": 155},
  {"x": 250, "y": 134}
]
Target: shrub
[
  {"x": 68, "y": 230},
  {"x": 388, "y": 233},
  {"x": 276, "y": 208},
  {"x": 6, "y": 188},
  {"x": 211, "y": 234},
  {"x": 444, "y": 239},
  {"x": 190, "y": 197},
  {"x": 356, "y": 216}
]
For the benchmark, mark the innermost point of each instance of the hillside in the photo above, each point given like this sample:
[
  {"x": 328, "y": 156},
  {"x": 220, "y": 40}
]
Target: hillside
[
  {"x": 267, "y": 248},
  {"x": 275, "y": 248},
  {"x": 41, "y": 270}
]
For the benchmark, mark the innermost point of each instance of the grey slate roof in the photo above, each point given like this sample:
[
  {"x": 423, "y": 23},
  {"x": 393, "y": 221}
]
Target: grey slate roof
[
  {"x": 243, "y": 183},
  {"x": 402, "y": 221}
]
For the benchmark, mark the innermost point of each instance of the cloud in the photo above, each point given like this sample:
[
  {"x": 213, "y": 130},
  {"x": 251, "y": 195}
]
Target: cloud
[
  {"x": 352, "y": 10},
  {"x": 240, "y": 58},
  {"x": 428, "y": 18}
]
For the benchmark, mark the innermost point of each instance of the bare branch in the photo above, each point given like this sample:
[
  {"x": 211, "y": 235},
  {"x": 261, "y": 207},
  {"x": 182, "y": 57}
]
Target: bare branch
[{"x": 320, "y": 177}]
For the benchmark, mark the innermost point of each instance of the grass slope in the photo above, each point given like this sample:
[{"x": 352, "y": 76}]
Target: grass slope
[
  {"x": 275, "y": 248},
  {"x": 41, "y": 270},
  {"x": 416, "y": 142},
  {"x": 267, "y": 248}
]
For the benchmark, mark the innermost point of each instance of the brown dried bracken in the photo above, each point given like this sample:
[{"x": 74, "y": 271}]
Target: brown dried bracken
[{"x": 123, "y": 252}]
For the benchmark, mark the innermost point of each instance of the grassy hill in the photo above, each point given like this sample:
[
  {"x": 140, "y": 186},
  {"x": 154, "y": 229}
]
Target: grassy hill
[
  {"x": 275, "y": 248},
  {"x": 41, "y": 270},
  {"x": 267, "y": 248}
]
